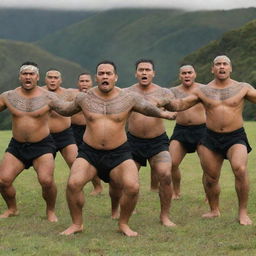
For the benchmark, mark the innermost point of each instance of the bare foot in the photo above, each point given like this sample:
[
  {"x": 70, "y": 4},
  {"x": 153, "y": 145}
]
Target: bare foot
[
  {"x": 154, "y": 189},
  {"x": 51, "y": 216},
  {"x": 96, "y": 191},
  {"x": 244, "y": 220},
  {"x": 211, "y": 214},
  {"x": 72, "y": 230},
  {"x": 176, "y": 196},
  {"x": 125, "y": 229},
  {"x": 9, "y": 213},
  {"x": 167, "y": 222},
  {"x": 115, "y": 215}
]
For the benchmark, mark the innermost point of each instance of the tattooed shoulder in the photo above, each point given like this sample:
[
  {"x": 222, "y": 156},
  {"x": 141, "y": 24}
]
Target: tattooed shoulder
[{"x": 26, "y": 104}]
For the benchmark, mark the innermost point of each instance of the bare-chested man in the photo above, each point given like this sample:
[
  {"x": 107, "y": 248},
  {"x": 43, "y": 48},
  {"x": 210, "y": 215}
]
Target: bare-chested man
[
  {"x": 223, "y": 99},
  {"x": 78, "y": 123},
  {"x": 31, "y": 144},
  {"x": 105, "y": 151},
  {"x": 189, "y": 128},
  {"x": 148, "y": 139},
  {"x": 60, "y": 125}
]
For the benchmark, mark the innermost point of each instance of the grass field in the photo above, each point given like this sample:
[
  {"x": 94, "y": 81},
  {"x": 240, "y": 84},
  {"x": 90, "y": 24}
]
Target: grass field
[{"x": 31, "y": 234}]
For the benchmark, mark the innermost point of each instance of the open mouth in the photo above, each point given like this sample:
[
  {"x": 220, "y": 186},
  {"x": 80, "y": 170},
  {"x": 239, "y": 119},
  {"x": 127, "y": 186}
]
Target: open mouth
[
  {"x": 144, "y": 78},
  {"x": 105, "y": 83}
]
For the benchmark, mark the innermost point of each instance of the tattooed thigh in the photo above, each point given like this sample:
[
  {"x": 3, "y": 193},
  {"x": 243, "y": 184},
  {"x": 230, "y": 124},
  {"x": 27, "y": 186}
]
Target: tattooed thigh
[{"x": 160, "y": 158}]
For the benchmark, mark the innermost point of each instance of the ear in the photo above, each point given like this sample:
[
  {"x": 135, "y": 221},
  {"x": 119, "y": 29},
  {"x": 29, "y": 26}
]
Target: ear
[{"x": 116, "y": 78}]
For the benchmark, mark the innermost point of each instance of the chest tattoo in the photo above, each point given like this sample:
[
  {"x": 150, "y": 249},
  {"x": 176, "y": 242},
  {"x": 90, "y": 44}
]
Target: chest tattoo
[
  {"x": 221, "y": 94},
  {"x": 179, "y": 94},
  {"x": 25, "y": 104},
  {"x": 158, "y": 93},
  {"x": 122, "y": 103}
]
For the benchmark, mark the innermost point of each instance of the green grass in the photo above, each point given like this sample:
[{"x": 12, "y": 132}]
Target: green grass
[{"x": 31, "y": 234}]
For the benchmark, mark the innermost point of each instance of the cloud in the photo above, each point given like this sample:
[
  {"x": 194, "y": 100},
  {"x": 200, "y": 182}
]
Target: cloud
[{"x": 110, "y": 4}]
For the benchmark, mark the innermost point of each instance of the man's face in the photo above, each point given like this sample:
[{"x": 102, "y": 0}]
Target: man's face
[
  {"x": 84, "y": 83},
  {"x": 53, "y": 80},
  {"x": 106, "y": 77},
  {"x": 145, "y": 73},
  {"x": 187, "y": 75},
  {"x": 222, "y": 68},
  {"x": 28, "y": 79}
]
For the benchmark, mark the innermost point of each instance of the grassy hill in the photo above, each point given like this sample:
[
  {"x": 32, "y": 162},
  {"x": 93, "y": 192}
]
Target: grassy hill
[
  {"x": 240, "y": 46},
  {"x": 33, "y": 24},
  {"x": 125, "y": 35},
  {"x": 14, "y": 53}
]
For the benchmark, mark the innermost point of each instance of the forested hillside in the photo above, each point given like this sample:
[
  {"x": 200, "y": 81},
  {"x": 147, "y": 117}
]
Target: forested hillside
[
  {"x": 125, "y": 35},
  {"x": 30, "y": 25},
  {"x": 14, "y": 53},
  {"x": 240, "y": 46}
]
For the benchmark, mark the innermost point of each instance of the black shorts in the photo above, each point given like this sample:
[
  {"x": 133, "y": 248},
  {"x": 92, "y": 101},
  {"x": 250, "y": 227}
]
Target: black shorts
[
  {"x": 63, "y": 139},
  {"x": 189, "y": 136},
  {"x": 143, "y": 149},
  {"x": 78, "y": 132},
  {"x": 27, "y": 152},
  {"x": 104, "y": 160},
  {"x": 221, "y": 142}
]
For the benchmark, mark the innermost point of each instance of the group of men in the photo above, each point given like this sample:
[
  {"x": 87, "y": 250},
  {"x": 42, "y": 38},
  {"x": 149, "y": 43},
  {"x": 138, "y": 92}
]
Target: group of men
[{"x": 124, "y": 130}]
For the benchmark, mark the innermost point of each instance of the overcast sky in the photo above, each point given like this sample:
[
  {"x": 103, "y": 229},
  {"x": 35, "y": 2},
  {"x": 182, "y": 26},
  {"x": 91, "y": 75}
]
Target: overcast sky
[{"x": 110, "y": 4}]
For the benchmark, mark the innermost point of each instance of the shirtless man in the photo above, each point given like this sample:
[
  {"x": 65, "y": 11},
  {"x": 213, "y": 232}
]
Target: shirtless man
[
  {"x": 78, "y": 123},
  {"x": 223, "y": 99},
  {"x": 60, "y": 125},
  {"x": 105, "y": 151},
  {"x": 148, "y": 139},
  {"x": 189, "y": 128},
  {"x": 31, "y": 144}
]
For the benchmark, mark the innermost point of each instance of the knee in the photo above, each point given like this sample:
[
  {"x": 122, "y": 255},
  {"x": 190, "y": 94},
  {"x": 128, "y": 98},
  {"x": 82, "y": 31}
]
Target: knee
[
  {"x": 46, "y": 181},
  {"x": 131, "y": 189},
  {"x": 5, "y": 182},
  {"x": 240, "y": 172},
  {"x": 210, "y": 181},
  {"x": 164, "y": 175},
  {"x": 74, "y": 185}
]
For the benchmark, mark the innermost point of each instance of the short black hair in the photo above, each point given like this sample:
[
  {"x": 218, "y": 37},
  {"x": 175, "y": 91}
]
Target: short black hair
[
  {"x": 107, "y": 62},
  {"x": 144, "y": 60},
  {"x": 29, "y": 63},
  {"x": 84, "y": 73}
]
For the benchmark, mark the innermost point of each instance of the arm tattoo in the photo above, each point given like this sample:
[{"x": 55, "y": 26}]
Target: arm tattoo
[
  {"x": 122, "y": 103},
  {"x": 26, "y": 104},
  {"x": 222, "y": 94}
]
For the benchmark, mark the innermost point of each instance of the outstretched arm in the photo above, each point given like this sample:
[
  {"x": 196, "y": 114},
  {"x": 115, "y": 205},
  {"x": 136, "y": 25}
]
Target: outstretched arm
[
  {"x": 2, "y": 103},
  {"x": 251, "y": 93},
  {"x": 146, "y": 108},
  {"x": 179, "y": 104},
  {"x": 64, "y": 108}
]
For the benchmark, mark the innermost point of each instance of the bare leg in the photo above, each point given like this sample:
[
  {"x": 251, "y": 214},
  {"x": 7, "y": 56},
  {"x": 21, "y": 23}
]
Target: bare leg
[
  {"x": 115, "y": 193},
  {"x": 125, "y": 176},
  {"x": 161, "y": 163},
  {"x": 154, "y": 183},
  {"x": 44, "y": 166},
  {"x": 97, "y": 186},
  {"x": 81, "y": 173},
  {"x": 10, "y": 168},
  {"x": 237, "y": 155},
  {"x": 127, "y": 205},
  {"x": 9, "y": 193},
  {"x": 211, "y": 163},
  {"x": 177, "y": 152}
]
